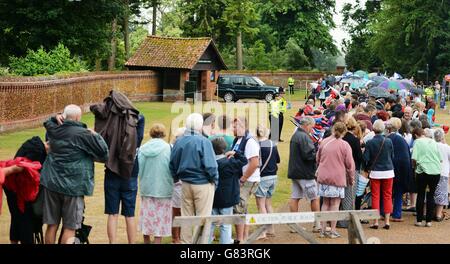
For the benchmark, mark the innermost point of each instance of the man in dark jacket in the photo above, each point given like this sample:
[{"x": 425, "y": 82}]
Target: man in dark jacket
[
  {"x": 68, "y": 172},
  {"x": 366, "y": 116},
  {"x": 302, "y": 166},
  {"x": 119, "y": 123},
  {"x": 192, "y": 161},
  {"x": 230, "y": 166}
]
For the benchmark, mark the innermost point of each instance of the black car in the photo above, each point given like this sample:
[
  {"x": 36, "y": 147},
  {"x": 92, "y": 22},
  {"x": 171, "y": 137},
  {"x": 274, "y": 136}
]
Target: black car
[{"x": 234, "y": 87}]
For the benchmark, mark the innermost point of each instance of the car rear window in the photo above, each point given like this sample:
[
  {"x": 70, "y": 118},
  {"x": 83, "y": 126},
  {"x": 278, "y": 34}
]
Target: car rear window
[{"x": 224, "y": 80}]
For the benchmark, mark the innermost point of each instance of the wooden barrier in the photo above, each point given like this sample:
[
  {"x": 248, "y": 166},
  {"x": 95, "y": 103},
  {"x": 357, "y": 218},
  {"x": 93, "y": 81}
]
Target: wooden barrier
[{"x": 203, "y": 223}]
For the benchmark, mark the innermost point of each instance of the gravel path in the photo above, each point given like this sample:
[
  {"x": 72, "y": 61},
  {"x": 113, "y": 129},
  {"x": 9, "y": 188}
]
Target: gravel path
[{"x": 399, "y": 233}]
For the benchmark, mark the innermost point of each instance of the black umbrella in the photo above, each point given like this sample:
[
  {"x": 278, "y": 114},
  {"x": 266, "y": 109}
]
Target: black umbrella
[
  {"x": 331, "y": 80},
  {"x": 379, "y": 92}
]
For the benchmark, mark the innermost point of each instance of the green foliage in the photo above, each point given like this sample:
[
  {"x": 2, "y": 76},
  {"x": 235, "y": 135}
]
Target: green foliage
[
  {"x": 238, "y": 16},
  {"x": 324, "y": 61},
  {"x": 296, "y": 58},
  {"x": 137, "y": 36},
  {"x": 170, "y": 19},
  {"x": 307, "y": 22},
  {"x": 411, "y": 36},
  {"x": 83, "y": 26},
  {"x": 273, "y": 22},
  {"x": 358, "y": 22},
  {"x": 4, "y": 71},
  {"x": 256, "y": 58},
  {"x": 41, "y": 62}
]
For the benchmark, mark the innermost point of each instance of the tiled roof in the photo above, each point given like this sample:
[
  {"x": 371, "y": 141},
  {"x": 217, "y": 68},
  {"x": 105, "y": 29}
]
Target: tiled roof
[{"x": 165, "y": 52}]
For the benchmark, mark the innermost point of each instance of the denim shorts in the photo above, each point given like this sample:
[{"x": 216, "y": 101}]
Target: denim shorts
[
  {"x": 266, "y": 187},
  {"x": 119, "y": 190}
]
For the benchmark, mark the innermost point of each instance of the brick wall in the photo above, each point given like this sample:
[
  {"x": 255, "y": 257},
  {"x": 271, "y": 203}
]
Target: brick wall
[
  {"x": 280, "y": 78},
  {"x": 27, "y": 101}
]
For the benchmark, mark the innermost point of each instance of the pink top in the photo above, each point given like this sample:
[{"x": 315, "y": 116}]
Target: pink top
[{"x": 336, "y": 164}]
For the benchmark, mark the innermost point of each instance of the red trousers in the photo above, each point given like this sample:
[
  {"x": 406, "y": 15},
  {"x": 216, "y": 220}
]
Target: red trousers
[{"x": 386, "y": 194}]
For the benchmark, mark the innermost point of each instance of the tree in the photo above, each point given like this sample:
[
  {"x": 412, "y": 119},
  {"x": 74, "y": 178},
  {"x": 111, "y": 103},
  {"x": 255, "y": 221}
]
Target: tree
[
  {"x": 308, "y": 22},
  {"x": 238, "y": 16},
  {"x": 112, "y": 57},
  {"x": 357, "y": 21},
  {"x": 324, "y": 61},
  {"x": 407, "y": 36},
  {"x": 82, "y": 26},
  {"x": 171, "y": 19},
  {"x": 201, "y": 18},
  {"x": 296, "y": 58}
]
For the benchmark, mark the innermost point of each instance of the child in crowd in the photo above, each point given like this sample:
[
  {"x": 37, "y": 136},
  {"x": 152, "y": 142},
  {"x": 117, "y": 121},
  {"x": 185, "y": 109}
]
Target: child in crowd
[{"x": 227, "y": 192}]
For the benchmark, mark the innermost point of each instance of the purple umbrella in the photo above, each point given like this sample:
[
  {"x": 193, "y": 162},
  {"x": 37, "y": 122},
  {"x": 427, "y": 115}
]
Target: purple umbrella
[{"x": 393, "y": 85}]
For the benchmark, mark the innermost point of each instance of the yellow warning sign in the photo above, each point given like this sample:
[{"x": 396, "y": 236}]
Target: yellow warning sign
[{"x": 279, "y": 218}]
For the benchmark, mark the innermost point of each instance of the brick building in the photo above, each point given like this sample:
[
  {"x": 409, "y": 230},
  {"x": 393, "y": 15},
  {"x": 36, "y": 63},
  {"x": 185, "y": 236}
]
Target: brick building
[{"x": 177, "y": 60}]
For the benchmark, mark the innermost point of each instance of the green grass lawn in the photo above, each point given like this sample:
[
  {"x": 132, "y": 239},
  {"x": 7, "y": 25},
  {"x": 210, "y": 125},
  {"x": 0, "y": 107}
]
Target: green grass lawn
[{"x": 154, "y": 112}]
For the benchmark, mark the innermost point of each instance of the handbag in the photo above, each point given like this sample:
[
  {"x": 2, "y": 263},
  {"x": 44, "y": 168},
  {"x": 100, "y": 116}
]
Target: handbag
[
  {"x": 367, "y": 173},
  {"x": 38, "y": 204}
]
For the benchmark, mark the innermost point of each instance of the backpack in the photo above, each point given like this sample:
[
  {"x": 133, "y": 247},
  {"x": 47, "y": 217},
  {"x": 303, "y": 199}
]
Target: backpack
[{"x": 243, "y": 144}]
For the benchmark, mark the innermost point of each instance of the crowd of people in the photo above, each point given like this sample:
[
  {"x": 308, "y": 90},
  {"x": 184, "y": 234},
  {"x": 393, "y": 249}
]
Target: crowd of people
[
  {"x": 216, "y": 164},
  {"x": 392, "y": 141}
]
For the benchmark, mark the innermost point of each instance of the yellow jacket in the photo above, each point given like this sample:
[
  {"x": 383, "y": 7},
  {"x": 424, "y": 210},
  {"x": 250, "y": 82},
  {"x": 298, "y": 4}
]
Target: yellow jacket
[
  {"x": 290, "y": 81},
  {"x": 283, "y": 105},
  {"x": 274, "y": 108}
]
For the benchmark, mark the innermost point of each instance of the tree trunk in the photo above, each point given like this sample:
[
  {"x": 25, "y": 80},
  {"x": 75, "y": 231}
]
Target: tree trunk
[
  {"x": 98, "y": 64},
  {"x": 239, "y": 51},
  {"x": 112, "y": 58},
  {"x": 155, "y": 10},
  {"x": 126, "y": 30}
]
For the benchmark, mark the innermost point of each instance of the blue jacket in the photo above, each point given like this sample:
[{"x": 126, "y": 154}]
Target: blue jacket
[
  {"x": 404, "y": 175},
  {"x": 193, "y": 159},
  {"x": 230, "y": 171},
  {"x": 155, "y": 179},
  {"x": 384, "y": 161}
]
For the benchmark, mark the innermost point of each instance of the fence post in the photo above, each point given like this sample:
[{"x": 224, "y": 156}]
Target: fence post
[
  {"x": 358, "y": 228},
  {"x": 303, "y": 233},
  {"x": 256, "y": 234},
  {"x": 206, "y": 232},
  {"x": 351, "y": 232}
]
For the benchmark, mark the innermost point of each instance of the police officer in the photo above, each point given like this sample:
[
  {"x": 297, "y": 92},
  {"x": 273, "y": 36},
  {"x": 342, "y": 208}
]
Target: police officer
[
  {"x": 277, "y": 108},
  {"x": 291, "y": 85},
  {"x": 283, "y": 109}
]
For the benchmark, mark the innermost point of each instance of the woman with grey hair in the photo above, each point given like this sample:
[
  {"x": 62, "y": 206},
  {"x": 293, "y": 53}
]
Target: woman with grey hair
[
  {"x": 402, "y": 167},
  {"x": 441, "y": 194},
  {"x": 427, "y": 162},
  {"x": 378, "y": 156}
]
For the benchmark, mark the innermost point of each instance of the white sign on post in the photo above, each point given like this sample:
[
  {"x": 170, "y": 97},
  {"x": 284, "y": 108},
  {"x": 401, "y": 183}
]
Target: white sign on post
[{"x": 279, "y": 218}]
